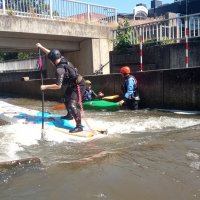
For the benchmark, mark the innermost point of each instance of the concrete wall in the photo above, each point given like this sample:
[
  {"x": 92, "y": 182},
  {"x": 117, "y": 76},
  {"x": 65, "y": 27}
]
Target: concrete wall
[
  {"x": 38, "y": 27},
  {"x": 13, "y": 76},
  {"x": 156, "y": 57},
  {"x": 87, "y": 46},
  {"x": 170, "y": 89},
  {"x": 101, "y": 48},
  {"x": 93, "y": 53},
  {"x": 82, "y": 59},
  {"x": 30, "y": 64}
]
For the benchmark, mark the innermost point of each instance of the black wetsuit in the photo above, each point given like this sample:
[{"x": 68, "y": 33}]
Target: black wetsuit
[{"x": 67, "y": 75}]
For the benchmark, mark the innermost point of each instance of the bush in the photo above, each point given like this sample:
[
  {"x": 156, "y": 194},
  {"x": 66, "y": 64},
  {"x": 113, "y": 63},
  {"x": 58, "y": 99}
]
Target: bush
[{"x": 123, "y": 38}]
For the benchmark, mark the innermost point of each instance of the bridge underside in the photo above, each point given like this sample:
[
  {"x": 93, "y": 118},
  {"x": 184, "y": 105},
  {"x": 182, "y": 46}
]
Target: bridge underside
[
  {"x": 24, "y": 42},
  {"x": 85, "y": 45}
]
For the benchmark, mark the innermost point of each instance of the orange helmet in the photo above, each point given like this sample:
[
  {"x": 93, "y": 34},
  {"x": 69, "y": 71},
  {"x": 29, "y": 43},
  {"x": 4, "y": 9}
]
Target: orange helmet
[{"x": 125, "y": 70}]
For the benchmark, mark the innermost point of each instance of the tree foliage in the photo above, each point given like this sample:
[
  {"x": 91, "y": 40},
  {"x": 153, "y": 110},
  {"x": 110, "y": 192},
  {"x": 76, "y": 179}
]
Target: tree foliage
[
  {"x": 16, "y": 56},
  {"x": 123, "y": 36},
  {"x": 8, "y": 56}
]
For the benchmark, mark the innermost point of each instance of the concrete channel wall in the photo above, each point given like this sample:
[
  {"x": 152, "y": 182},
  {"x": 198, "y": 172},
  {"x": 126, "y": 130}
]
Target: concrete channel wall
[
  {"x": 29, "y": 64},
  {"x": 11, "y": 76},
  {"x": 156, "y": 57},
  {"x": 167, "y": 89}
]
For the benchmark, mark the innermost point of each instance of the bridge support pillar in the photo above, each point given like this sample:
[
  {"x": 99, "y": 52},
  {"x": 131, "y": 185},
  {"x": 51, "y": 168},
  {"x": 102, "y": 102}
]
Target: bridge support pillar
[{"x": 93, "y": 53}]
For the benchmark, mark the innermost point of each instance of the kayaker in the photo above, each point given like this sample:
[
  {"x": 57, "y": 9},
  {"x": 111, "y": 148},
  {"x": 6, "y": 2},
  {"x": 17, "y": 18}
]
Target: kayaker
[
  {"x": 89, "y": 94},
  {"x": 131, "y": 96},
  {"x": 66, "y": 75}
]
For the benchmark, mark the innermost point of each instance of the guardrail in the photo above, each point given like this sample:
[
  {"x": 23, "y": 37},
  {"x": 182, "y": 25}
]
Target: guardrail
[
  {"x": 173, "y": 29},
  {"x": 67, "y": 10}
]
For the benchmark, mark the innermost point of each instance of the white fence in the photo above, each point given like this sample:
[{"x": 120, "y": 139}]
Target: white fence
[
  {"x": 173, "y": 29},
  {"x": 30, "y": 64},
  {"x": 68, "y": 10}
]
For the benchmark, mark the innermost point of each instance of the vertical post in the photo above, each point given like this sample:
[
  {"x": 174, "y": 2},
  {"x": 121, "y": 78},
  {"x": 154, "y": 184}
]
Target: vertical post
[
  {"x": 141, "y": 66},
  {"x": 51, "y": 9},
  {"x": 160, "y": 32},
  {"x": 4, "y": 7},
  {"x": 178, "y": 30},
  {"x": 115, "y": 16},
  {"x": 88, "y": 13},
  {"x": 42, "y": 82},
  {"x": 157, "y": 31},
  {"x": 186, "y": 38},
  {"x": 186, "y": 41}
]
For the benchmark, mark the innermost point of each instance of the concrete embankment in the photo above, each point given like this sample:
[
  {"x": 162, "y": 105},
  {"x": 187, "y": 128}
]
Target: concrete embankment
[
  {"x": 156, "y": 57},
  {"x": 168, "y": 89}
]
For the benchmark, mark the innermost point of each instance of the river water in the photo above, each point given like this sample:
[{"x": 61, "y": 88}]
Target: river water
[{"x": 147, "y": 155}]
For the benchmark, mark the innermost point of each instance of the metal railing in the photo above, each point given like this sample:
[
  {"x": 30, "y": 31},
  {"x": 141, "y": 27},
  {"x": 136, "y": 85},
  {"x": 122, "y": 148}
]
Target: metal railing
[
  {"x": 173, "y": 30},
  {"x": 68, "y": 10}
]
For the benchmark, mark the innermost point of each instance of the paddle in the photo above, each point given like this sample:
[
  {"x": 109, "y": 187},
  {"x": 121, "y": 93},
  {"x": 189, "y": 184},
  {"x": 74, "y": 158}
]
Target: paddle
[
  {"x": 110, "y": 97},
  {"x": 40, "y": 66},
  {"x": 62, "y": 105}
]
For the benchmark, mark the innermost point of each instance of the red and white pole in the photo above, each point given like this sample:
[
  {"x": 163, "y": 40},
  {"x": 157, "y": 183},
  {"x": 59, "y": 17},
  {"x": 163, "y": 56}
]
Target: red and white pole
[
  {"x": 186, "y": 42},
  {"x": 141, "y": 65}
]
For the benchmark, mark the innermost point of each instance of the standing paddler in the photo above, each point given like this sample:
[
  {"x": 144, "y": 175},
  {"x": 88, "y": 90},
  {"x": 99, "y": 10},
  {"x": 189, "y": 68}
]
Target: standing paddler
[{"x": 67, "y": 75}]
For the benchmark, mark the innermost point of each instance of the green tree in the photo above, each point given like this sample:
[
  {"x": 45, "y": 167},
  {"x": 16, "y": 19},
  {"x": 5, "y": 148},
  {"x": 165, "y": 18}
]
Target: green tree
[
  {"x": 8, "y": 56},
  {"x": 16, "y": 56},
  {"x": 123, "y": 36},
  {"x": 24, "y": 55}
]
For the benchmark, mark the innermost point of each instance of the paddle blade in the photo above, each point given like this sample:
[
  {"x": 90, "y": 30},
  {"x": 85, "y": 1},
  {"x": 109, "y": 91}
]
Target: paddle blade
[
  {"x": 110, "y": 97},
  {"x": 59, "y": 106}
]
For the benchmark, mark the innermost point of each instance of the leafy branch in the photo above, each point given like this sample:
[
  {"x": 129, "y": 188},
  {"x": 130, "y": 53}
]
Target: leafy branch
[{"x": 123, "y": 36}]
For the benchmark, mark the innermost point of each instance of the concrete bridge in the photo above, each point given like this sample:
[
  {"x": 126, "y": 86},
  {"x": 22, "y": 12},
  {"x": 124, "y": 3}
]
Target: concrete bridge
[{"x": 86, "y": 46}]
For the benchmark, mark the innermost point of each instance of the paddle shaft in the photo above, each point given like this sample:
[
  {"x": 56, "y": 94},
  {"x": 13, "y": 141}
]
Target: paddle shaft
[
  {"x": 42, "y": 94},
  {"x": 42, "y": 103}
]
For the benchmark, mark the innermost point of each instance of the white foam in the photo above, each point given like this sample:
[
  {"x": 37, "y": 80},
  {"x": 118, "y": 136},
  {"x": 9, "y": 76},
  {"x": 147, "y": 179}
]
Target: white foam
[
  {"x": 192, "y": 155},
  {"x": 16, "y": 136},
  {"x": 195, "y": 165},
  {"x": 142, "y": 124}
]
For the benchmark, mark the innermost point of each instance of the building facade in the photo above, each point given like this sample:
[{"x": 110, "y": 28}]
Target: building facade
[{"x": 179, "y": 6}]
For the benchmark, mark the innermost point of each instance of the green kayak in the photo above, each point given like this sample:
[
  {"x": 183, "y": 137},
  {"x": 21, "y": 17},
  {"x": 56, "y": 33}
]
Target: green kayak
[{"x": 101, "y": 105}]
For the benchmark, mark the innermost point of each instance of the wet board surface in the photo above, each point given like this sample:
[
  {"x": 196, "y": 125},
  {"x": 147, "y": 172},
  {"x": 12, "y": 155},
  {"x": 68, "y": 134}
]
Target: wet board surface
[{"x": 52, "y": 122}]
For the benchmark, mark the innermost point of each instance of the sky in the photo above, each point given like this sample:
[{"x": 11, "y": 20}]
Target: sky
[{"x": 123, "y": 6}]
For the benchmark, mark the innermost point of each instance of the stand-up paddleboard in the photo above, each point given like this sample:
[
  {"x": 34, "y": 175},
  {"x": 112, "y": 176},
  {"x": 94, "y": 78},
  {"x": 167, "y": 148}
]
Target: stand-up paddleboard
[{"x": 52, "y": 122}]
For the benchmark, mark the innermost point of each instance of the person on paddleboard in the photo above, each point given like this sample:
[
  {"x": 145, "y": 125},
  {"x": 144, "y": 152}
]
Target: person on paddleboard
[
  {"x": 89, "y": 94},
  {"x": 130, "y": 89},
  {"x": 67, "y": 75}
]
